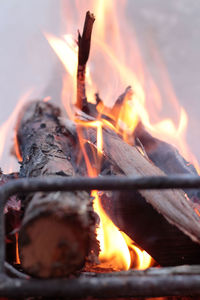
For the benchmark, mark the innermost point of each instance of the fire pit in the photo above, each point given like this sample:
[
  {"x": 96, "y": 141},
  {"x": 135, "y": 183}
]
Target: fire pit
[
  {"x": 96, "y": 195},
  {"x": 174, "y": 281}
]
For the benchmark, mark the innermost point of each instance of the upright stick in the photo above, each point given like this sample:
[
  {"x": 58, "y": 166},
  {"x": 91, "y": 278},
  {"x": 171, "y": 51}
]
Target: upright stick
[{"x": 83, "y": 54}]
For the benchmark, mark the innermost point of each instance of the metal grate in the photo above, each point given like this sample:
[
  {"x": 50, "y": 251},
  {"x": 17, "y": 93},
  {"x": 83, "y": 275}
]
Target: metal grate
[{"x": 184, "y": 280}]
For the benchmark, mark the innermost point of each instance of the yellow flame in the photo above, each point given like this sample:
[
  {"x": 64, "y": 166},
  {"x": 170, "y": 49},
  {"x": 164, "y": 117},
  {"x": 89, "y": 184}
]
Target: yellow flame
[
  {"x": 116, "y": 56},
  {"x": 17, "y": 248},
  {"x": 114, "y": 251},
  {"x": 144, "y": 260},
  {"x": 67, "y": 51}
]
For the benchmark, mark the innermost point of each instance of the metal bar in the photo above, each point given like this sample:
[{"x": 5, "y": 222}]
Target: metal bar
[
  {"x": 103, "y": 286},
  {"x": 27, "y": 185},
  {"x": 13, "y": 272},
  {"x": 128, "y": 285}
]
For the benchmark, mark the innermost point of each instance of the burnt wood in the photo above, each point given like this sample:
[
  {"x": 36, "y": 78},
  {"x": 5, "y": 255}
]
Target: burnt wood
[
  {"x": 163, "y": 223},
  {"x": 58, "y": 229},
  {"x": 83, "y": 54},
  {"x": 166, "y": 157}
]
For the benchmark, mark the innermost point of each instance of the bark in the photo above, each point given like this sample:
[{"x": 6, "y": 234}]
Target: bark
[{"x": 58, "y": 229}]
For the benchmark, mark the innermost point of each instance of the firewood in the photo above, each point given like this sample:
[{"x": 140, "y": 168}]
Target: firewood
[
  {"x": 162, "y": 222},
  {"x": 58, "y": 229},
  {"x": 162, "y": 154},
  {"x": 166, "y": 157},
  {"x": 83, "y": 55}
]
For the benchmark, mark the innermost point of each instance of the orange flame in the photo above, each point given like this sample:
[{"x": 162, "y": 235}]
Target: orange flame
[
  {"x": 7, "y": 165},
  {"x": 114, "y": 251},
  {"x": 114, "y": 244},
  {"x": 116, "y": 56},
  {"x": 17, "y": 248}
]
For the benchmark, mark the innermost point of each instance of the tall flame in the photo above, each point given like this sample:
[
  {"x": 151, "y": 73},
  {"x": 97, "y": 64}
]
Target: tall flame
[{"x": 111, "y": 68}]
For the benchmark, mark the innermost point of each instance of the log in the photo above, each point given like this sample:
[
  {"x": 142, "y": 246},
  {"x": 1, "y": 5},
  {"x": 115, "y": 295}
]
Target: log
[
  {"x": 166, "y": 157},
  {"x": 133, "y": 212},
  {"x": 57, "y": 235},
  {"x": 162, "y": 154},
  {"x": 162, "y": 222}
]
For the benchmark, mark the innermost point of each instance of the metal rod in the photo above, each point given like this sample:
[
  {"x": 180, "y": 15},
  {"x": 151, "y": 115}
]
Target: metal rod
[
  {"x": 27, "y": 185},
  {"x": 13, "y": 272},
  {"x": 130, "y": 284},
  {"x": 104, "y": 286}
]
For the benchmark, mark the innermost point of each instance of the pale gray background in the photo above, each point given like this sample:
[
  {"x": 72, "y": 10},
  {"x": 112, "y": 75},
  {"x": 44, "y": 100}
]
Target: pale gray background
[{"x": 27, "y": 61}]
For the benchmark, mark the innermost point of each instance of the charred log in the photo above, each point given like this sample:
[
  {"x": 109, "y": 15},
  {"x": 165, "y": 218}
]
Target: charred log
[
  {"x": 166, "y": 157},
  {"x": 63, "y": 223}
]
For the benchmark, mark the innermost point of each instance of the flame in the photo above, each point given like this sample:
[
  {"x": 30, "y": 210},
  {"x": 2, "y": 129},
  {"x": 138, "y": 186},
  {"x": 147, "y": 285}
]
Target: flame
[
  {"x": 67, "y": 51},
  {"x": 114, "y": 245},
  {"x": 47, "y": 98},
  {"x": 4, "y": 135},
  {"x": 114, "y": 251},
  {"x": 144, "y": 260},
  {"x": 17, "y": 248},
  {"x": 111, "y": 68}
]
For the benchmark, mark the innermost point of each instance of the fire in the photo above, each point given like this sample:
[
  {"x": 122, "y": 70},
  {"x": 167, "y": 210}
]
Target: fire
[
  {"x": 115, "y": 245},
  {"x": 67, "y": 51},
  {"x": 114, "y": 251},
  {"x": 116, "y": 56},
  {"x": 7, "y": 166},
  {"x": 17, "y": 248}
]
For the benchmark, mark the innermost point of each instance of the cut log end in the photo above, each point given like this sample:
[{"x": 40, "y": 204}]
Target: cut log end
[
  {"x": 55, "y": 235},
  {"x": 52, "y": 247}
]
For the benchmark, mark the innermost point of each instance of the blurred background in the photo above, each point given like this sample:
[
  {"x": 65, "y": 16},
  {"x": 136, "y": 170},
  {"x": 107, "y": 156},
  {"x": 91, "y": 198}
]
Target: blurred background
[{"x": 167, "y": 33}]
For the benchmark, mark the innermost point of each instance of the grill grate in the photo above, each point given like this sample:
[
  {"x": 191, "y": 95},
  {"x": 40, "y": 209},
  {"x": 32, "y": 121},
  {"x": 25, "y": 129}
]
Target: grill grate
[{"x": 183, "y": 280}]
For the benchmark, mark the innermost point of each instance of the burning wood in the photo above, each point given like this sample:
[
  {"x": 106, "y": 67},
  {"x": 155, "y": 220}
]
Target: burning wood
[
  {"x": 63, "y": 223},
  {"x": 161, "y": 222},
  {"x": 176, "y": 239},
  {"x": 83, "y": 55}
]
